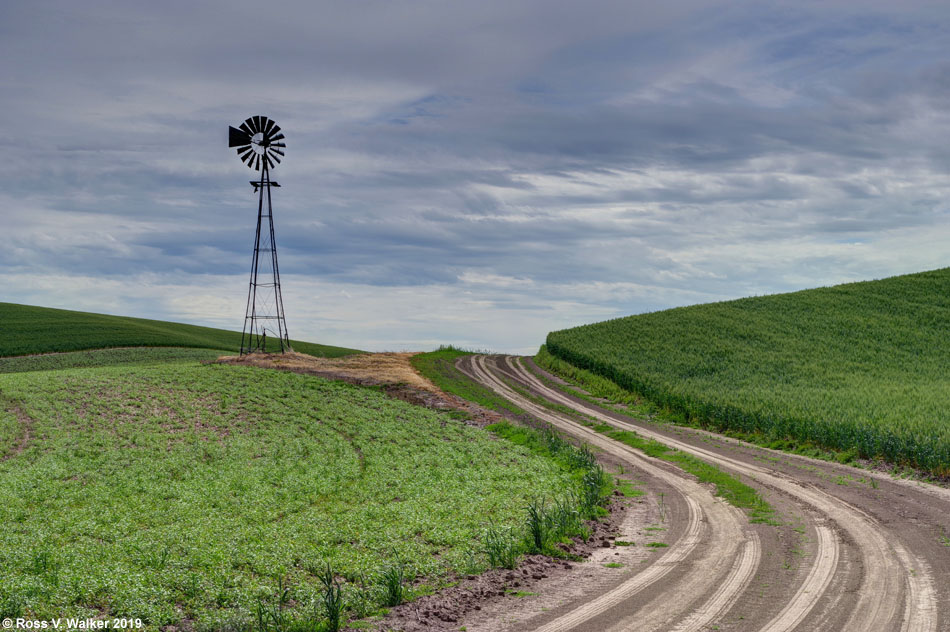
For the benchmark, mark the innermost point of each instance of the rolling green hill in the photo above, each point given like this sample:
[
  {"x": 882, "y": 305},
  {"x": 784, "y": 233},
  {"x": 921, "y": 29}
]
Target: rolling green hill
[
  {"x": 148, "y": 483},
  {"x": 204, "y": 492},
  {"x": 861, "y": 367},
  {"x": 29, "y": 330}
]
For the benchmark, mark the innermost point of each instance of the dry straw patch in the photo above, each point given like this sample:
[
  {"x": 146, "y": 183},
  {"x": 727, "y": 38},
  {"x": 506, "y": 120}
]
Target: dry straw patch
[{"x": 364, "y": 368}]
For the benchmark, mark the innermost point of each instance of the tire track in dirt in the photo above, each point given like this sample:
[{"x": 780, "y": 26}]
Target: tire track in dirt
[
  {"x": 656, "y": 571},
  {"x": 897, "y": 590},
  {"x": 727, "y": 569},
  {"x": 726, "y": 596},
  {"x": 826, "y": 558},
  {"x": 819, "y": 576},
  {"x": 815, "y": 584}
]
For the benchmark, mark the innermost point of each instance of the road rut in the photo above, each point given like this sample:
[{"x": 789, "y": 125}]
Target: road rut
[{"x": 729, "y": 553}]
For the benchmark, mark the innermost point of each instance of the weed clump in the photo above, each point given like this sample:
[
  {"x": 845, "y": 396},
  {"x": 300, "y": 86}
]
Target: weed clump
[
  {"x": 332, "y": 599},
  {"x": 549, "y": 523},
  {"x": 501, "y": 547},
  {"x": 539, "y": 525},
  {"x": 392, "y": 579}
]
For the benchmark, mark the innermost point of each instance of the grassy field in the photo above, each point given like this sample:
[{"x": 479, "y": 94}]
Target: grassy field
[
  {"x": 171, "y": 491},
  {"x": 28, "y": 329},
  {"x": 862, "y": 367}
]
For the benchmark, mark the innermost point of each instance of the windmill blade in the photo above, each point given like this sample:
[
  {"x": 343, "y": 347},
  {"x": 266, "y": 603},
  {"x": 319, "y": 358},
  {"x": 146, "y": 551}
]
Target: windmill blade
[
  {"x": 278, "y": 145},
  {"x": 276, "y": 151},
  {"x": 247, "y": 128},
  {"x": 268, "y": 162},
  {"x": 237, "y": 137},
  {"x": 268, "y": 126},
  {"x": 241, "y": 150},
  {"x": 257, "y": 162},
  {"x": 257, "y": 123},
  {"x": 248, "y": 157},
  {"x": 277, "y": 136},
  {"x": 275, "y": 159}
]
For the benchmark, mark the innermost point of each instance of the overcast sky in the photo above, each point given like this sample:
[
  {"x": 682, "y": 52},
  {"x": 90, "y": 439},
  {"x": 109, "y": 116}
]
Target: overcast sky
[{"x": 477, "y": 173}]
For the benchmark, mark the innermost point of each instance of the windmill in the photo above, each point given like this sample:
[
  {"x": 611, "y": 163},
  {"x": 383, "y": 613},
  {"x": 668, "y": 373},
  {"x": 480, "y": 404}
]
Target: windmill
[{"x": 260, "y": 145}]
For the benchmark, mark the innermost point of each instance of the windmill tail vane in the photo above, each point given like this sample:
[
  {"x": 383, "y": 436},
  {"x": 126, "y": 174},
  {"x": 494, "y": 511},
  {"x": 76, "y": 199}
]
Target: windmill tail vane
[{"x": 259, "y": 144}]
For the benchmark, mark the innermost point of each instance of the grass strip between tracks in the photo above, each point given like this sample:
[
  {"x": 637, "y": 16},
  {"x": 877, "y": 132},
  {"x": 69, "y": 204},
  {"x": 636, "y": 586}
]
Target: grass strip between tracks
[
  {"x": 728, "y": 487},
  {"x": 439, "y": 367}
]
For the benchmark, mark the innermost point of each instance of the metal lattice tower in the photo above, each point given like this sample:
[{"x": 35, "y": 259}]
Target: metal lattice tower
[{"x": 259, "y": 144}]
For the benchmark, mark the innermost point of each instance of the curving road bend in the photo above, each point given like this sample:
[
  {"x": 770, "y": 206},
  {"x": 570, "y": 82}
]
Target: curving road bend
[{"x": 872, "y": 553}]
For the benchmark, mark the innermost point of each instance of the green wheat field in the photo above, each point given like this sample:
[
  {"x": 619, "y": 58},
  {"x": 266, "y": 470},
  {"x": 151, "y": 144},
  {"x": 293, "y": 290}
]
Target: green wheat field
[{"x": 861, "y": 367}]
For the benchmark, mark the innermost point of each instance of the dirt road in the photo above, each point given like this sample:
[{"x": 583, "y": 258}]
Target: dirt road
[{"x": 855, "y": 551}]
